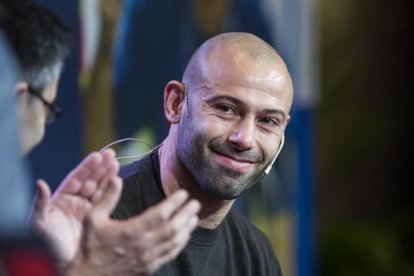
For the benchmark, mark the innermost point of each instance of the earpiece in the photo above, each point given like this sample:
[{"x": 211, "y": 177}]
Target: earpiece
[
  {"x": 282, "y": 142},
  {"x": 132, "y": 156}
]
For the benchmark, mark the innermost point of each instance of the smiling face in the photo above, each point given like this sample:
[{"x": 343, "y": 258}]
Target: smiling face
[{"x": 235, "y": 119}]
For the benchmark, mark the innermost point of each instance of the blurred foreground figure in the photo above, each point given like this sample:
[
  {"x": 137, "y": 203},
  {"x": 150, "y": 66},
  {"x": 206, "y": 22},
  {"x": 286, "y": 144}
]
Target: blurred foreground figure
[
  {"x": 88, "y": 194},
  {"x": 14, "y": 192}
]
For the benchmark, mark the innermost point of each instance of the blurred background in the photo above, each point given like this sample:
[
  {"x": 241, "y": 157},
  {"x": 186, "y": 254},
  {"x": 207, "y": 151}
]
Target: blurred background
[{"x": 340, "y": 200}]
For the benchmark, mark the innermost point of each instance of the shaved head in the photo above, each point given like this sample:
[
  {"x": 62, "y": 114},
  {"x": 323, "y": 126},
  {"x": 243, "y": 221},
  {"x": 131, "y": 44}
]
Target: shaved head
[
  {"x": 235, "y": 50},
  {"x": 229, "y": 125}
]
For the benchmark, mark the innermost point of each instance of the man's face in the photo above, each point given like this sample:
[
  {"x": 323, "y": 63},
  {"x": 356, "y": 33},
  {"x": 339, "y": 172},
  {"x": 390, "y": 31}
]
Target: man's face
[
  {"x": 33, "y": 115},
  {"x": 233, "y": 125}
]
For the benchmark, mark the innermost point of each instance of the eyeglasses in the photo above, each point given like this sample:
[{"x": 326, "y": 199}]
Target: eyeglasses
[{"x": 54, "y": 111}]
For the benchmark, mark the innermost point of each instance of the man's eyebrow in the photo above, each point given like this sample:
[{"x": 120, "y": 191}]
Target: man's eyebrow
[
  {"x": 224, "y": 97},
  {"x": 274, "y": 112},
  {"x": 236, "y": 101}
]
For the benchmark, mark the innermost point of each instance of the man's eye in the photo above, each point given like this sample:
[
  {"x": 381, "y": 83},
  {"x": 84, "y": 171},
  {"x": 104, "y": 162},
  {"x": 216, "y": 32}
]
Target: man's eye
[
  {"x": 225, "y": 109},
  {"x": 269, "y": 122}
]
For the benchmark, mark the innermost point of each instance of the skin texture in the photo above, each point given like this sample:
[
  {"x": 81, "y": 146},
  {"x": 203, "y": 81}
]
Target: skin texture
[
  {"x": 227, "y": 128},
  {"x": 138, "y": 246},
  {"x": 32, "y": 114},
  {"x": 59, "y": 218},
  {"x": 86, "y": 241}
]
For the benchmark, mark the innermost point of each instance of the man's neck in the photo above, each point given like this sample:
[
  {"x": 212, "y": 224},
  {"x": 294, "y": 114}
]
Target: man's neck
[{"x": 175, "y": 176}]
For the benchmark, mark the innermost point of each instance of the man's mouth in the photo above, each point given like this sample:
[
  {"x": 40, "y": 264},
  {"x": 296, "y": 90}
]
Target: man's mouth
[{"x": 235, "y": 163}]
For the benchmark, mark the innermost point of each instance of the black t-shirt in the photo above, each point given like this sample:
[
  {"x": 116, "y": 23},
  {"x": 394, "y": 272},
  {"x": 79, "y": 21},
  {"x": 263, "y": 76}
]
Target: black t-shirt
[{"x": 235, "y": 247}]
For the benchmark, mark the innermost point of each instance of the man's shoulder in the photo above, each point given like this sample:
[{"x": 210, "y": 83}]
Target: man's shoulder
[
  {"x": 252, "y": 243},
  {"x": 242, "y": 228},
  {"x": 240, "y": 222}
]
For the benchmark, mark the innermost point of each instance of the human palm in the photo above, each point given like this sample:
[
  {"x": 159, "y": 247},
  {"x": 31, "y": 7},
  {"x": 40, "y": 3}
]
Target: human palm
[{"x": 59, "y": 219}]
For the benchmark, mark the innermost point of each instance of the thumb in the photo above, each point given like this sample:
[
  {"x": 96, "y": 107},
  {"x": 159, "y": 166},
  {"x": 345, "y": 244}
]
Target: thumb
[
  {"x": 40, "y": 201},
  {"x": 42, "y": 197},
  {"x": 106, "y": 203}
]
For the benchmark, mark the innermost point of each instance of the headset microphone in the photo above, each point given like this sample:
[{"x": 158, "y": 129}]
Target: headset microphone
[{"x": 282, "y": 142}]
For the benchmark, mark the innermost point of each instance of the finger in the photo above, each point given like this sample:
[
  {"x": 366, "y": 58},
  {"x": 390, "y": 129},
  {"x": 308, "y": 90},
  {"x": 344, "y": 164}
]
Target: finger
[
  {"x": 167, "y": 251},
  {"x": 167, "y": 232},
  {"x": 161, "y": 212},
  {"x": 72, "y": 182},
  {"x": 42, "y": 197},
  {"x": 109, "y": 167},
  {"x": 104, "y": 206},
  {"x": 86, "y": 177},
  {"x": 99, "y": 191},
  {"x": 88, "y": 188},
  {"x": 180, "y": 222},
  {"x": 93, "y": 161},
  {"x": 170, "y": 251},
  {"x": 102, "y": 184}
]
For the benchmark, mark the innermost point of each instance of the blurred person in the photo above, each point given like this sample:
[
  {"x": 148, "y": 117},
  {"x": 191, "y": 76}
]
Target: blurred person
[
  {"x": 12, "y": 217},
  {"x": 41, "y": 42},
  {"x": 20, "y": 252},
  {"x": 40, "y": 59},
  {"x": 228, "y": 117}
]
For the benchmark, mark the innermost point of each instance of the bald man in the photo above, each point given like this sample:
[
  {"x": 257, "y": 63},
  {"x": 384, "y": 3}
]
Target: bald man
[{"x": 228, "y": 117}]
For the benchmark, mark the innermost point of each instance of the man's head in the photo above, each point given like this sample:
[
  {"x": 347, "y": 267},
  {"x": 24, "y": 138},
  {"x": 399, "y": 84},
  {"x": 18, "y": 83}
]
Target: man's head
[
  {"x": 41, "y": 42},
  {"x": 230, "y": 113}
]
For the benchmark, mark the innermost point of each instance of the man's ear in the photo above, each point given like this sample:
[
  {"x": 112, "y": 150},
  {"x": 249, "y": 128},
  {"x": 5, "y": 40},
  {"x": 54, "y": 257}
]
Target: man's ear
[
  {"x": 21, "y": 87},
  {"x": 21, "y": 90},
  {"x": 174, "y": 98}
]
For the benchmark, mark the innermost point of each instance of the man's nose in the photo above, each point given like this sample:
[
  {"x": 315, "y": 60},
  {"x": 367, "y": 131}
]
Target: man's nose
[{"x": 242, "y": 135}]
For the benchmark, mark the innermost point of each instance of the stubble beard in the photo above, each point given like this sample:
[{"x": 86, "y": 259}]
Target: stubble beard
[{"x": 194, "y": 152}]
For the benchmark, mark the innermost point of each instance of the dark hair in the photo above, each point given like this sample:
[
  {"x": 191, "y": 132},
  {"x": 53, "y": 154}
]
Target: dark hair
[{"x": 40, "y": 40}]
